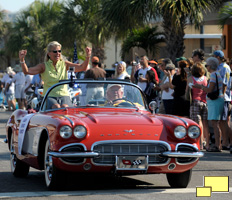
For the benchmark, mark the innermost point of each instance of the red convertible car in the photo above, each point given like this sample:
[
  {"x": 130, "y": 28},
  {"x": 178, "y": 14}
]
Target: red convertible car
[{"x": 107, "y": 129}]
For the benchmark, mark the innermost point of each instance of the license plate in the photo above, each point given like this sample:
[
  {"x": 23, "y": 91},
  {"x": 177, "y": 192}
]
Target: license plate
[{"x": 131, "y": 162}]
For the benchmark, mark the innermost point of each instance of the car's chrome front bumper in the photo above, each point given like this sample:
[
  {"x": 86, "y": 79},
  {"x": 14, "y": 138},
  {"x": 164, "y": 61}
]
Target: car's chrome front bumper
[{"x": 169, "y": 154}]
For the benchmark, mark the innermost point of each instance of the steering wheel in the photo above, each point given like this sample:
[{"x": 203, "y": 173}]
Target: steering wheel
[{"x": 126, "y": 103}]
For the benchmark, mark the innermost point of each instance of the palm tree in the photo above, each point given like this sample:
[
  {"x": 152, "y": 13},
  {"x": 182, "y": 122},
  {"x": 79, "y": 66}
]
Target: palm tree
[
  {"x": 146, "y": 38},
  {"x": 225, "y": 14},
  {"x": 174, "y": 15},
  {"x": 32, "y": 29},
  {"x": 81, "y": 22},
  {"x": 4, "y": 35},
  {"x": 1, "y": 24}
]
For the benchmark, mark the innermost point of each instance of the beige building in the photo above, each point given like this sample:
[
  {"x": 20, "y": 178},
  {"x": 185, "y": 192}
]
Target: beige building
[{"x": 209, "y": 37}]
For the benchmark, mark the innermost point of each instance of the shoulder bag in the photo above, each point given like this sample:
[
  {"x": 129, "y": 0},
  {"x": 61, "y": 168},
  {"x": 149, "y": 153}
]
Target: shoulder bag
[{"x": 215, "y": 94}]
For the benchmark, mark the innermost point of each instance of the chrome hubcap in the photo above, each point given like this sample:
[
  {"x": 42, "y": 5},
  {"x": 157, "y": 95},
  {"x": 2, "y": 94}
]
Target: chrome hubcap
[
  {"x": 12, "y": 156},
  {"x": 48, "y": 166}
]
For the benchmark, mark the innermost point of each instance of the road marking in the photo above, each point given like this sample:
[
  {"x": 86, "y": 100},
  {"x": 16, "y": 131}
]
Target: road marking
[{"x": 91, "y": 192}]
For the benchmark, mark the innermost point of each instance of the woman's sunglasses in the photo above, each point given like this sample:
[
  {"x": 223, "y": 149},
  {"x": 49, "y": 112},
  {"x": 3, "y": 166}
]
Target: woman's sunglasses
[{"x": 55, "y": 51}]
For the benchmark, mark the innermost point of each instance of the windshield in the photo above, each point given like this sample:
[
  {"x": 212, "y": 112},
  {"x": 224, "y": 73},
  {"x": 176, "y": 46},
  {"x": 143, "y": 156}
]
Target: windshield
[{"x": 94, "y": 94}]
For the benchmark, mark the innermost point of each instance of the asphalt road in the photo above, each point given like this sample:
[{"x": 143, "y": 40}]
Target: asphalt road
[{"x": 109, "y": 187}]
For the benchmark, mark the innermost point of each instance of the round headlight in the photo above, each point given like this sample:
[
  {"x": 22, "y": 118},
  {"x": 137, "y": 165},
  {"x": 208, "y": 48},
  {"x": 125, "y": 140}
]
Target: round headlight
[
  {"x": 65, "y": 132},
  {"x": 194, "y": 132},
  {"x": 80, "y": 132},
  {"x": 180, "y": 132}
]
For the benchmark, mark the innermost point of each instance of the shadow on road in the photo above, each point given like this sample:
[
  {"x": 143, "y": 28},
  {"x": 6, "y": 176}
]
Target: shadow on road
[
  {"x": 216, "y": 156},
  {"x": 74, "y": 182}
]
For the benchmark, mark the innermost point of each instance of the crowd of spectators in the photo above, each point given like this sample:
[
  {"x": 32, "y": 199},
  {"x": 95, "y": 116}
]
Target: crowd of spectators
[
  {"x": 183, "y": 88},
  {"x": 170, "y": 83}
]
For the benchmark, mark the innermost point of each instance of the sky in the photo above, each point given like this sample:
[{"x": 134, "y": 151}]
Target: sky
[{"x": 14, "y": 5}]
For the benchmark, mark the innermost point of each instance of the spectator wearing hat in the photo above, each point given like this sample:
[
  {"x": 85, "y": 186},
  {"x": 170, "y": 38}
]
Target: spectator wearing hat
[
  {"x": 114, "y": 94},
  {"x": 180, "y": 59},
  {"x": 5, "y": 79},
  {"x": 95, "y": 73},
  {"x": 10, "y": 91},
  {"x": 155, "y": 66},
  {"x": 19, "y": 80},
  {"x": 225, "y": 71},
  {"x": 6, "y": 76},
  {"x": 198, "y": 56}
]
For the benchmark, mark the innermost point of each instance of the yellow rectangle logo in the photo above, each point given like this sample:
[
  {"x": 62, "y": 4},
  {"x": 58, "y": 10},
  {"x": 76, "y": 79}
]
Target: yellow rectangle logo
[
  {"x": 203, "y": 191},
  {"x": 218, "y": 183}
]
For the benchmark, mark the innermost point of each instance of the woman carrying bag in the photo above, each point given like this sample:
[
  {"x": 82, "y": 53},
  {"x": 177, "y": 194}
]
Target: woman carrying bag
[{"x": 214, "y": 103}]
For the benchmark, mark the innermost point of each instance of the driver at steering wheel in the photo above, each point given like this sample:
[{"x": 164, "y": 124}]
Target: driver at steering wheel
[
  {"x": 115, "y": 97},
  {"x": 114, "y": 94}
]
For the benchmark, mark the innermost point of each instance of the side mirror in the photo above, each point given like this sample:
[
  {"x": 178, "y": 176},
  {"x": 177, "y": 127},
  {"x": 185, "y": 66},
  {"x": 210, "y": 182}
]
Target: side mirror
[{"x": 153, "y": 106}]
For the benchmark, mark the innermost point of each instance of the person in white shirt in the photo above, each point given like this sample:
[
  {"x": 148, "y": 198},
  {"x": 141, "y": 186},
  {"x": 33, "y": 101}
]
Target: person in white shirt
[
  {"x": 9, "y": 92},
  {"x": 140, "y": 74},
  {"x": 27, "y": 87},
  {"x": 4, "y": 80},
  {"x": 167, "y": 94},
  {"x": 19, "y": 80},
  {"x": 6, "y": 76}
]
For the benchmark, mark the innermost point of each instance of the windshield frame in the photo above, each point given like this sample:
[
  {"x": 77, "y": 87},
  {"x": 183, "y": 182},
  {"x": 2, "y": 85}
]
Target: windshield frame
[{"x": 86, "y": 81}]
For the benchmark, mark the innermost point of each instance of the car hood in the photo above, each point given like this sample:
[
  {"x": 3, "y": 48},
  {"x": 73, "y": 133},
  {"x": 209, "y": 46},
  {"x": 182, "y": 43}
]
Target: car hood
[{"x": 107, "y": 118}]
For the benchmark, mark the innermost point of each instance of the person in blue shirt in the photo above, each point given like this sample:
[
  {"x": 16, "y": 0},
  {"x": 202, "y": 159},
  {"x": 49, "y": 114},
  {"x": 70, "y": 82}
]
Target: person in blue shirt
[{"x": 225, "y": 71}]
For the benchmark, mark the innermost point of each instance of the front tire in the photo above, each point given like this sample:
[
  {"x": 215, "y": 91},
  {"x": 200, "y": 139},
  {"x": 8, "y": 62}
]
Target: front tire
[
  {"x": 179, "y": 180},
  {"x": 18, "y": 167},
  {"x": 53, "y": 176}
]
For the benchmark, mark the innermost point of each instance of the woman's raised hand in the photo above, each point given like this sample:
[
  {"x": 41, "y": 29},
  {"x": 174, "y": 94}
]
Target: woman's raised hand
[{"x": 22, "y": 54}]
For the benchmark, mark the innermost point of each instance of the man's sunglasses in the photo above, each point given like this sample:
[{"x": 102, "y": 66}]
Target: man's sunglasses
[{"x": 55, "y": 51}]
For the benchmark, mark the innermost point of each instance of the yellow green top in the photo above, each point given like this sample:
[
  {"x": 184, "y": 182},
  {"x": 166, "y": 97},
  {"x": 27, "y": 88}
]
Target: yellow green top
[{"x": 52, "y": 76}]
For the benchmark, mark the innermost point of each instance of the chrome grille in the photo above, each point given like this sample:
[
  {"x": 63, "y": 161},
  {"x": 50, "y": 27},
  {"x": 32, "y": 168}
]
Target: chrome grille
[{"x": 108, "y": 151}]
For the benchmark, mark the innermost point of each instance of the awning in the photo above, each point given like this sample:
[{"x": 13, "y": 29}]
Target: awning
[{"x": 202, "y": 36}]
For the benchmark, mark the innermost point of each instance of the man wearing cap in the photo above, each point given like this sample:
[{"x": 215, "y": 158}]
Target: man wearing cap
[
  {"x": 95, "y": 91},
  {"x": 114, "y": 94},
  {"x": 19, "y": 80},
  {"x": 225, "y": 71},
  {"x": 10, "y": 91},
  {"x": 6, "y": 76},
  {"x": 155, "y": 66},
  {"x": 5, "y": 79}
]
